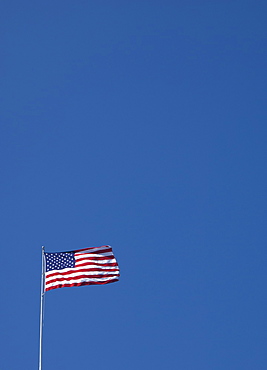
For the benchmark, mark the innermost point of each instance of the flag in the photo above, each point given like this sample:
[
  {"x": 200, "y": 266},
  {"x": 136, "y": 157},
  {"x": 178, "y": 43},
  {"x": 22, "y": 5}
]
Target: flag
[{"x": 89, "y": 266}]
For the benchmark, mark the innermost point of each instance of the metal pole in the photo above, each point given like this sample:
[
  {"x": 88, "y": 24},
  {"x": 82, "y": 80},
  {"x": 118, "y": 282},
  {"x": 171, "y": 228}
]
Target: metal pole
[{"x": 42, "y": 310}]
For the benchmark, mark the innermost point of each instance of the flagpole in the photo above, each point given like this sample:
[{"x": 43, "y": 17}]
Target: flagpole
[{"x": 41, "y": 310}]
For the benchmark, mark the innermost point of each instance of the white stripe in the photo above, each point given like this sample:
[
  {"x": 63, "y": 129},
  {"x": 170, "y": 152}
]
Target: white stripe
[
  {"x": 99, "y": 267},
  {"x": 83, "y": 280}
]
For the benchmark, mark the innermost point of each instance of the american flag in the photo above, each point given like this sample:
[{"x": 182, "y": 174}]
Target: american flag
[{"x": 89, "y": 266}]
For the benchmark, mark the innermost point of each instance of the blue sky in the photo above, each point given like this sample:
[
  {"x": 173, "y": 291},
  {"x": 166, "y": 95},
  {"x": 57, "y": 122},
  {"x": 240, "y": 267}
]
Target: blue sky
[{"x": 141, "y": 125}]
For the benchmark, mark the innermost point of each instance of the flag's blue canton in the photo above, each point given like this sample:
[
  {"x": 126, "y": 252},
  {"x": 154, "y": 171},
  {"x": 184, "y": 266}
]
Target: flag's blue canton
[{"x": 58, "y": 261}]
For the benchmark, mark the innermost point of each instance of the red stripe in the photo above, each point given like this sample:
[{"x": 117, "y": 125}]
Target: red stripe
[
  {"x": 97, "y": 249},
  {"x": 80, "y": 284},
  {"x": 99, "y": 276},
  {"x": 81, "y": 257},
  {"x": 101, "y": 264},
  {"x": 79, "y": 270}
]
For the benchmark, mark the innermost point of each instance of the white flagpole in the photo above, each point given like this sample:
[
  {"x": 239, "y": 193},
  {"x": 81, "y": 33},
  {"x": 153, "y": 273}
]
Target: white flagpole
[{"x": 42, "y": 310}]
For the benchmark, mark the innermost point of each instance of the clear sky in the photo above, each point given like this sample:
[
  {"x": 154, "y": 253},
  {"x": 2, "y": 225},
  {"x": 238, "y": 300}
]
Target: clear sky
[{"x": 142, "y": 125}]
